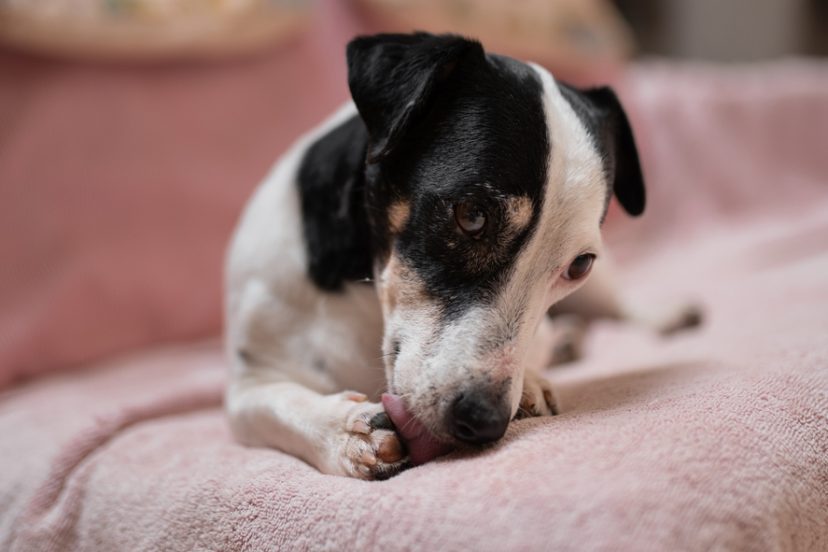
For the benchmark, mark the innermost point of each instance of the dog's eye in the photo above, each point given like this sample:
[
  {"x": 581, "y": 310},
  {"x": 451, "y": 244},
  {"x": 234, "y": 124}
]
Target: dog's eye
[
  {"x": 470, "y": 218},
  {"x": 579, "y": 267}
]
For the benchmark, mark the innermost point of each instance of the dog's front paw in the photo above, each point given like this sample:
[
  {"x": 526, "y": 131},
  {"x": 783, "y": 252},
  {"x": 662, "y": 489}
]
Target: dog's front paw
[
  {"x": 370, "y": 447},
  {"x": 537, "y": 399}
]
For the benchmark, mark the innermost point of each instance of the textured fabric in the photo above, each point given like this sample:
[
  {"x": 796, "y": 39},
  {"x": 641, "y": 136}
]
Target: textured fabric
[{"x": 716, "y": 439}]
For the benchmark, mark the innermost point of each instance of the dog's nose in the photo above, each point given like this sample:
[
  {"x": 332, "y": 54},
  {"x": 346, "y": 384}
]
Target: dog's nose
[{"x": 477, "y": 417}]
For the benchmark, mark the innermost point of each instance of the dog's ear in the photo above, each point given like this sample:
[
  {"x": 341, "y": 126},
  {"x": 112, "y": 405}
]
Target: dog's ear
[
  {"x": 601, "y": 112},
  {"x": 617, "y": 140},
  {"x": 393, "y": 77}
]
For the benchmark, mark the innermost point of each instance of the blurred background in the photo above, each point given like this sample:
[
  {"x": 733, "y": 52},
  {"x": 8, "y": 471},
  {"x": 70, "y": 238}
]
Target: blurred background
[
  {"x": 737, "y": 30},
  {"x": 133, "y": 131}
]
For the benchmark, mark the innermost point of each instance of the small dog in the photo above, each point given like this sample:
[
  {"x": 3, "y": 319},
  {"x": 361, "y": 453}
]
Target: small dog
[{"x": 427, "y": 227}]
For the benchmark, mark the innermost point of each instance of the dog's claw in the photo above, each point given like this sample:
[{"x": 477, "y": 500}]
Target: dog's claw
[
  {"x": 390, "y": 450},
  {"x": 355, "y": 396},
  {"x": 361, "y": 426},
  {"x": 368, "y": 459},
  {"x": 551, "y": 403}
]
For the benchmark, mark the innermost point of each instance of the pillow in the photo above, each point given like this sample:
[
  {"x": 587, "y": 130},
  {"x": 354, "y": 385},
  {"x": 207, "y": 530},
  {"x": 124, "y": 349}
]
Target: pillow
[
  {"x": 148, "y": 29},
  {"x": 120, "y": 186},
  {"x": 583, "y": 41}
]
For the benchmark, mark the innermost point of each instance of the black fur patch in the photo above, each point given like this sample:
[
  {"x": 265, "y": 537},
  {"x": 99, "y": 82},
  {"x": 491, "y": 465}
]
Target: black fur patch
[
  {"x": 605, "y": 120},
  {"x": 445, "y": 122},
  {"x": 484, "y": 137},
  {"x": 332, "y": 195}
]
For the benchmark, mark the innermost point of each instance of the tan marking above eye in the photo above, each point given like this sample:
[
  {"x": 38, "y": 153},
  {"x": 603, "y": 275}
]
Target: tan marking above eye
[
  {"x": 518, "y": 212},
  {"x": 398, "y": 215},
  {"x": 398, "y": 285}
]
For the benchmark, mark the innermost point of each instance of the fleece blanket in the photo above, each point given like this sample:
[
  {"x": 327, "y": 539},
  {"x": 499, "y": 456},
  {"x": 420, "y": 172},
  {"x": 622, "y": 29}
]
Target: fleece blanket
[{"x": 716, "y": 439}]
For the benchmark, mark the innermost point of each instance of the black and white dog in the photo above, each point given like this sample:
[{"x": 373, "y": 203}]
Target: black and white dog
[{"x": 426, "y": 228}]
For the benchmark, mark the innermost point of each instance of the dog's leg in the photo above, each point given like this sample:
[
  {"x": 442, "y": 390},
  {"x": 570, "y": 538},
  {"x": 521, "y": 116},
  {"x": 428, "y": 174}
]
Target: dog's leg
[
  {"x": 537, "y": 398},
  {"x": 341, "y": 434},
  {"x": 599, "y": 298}
]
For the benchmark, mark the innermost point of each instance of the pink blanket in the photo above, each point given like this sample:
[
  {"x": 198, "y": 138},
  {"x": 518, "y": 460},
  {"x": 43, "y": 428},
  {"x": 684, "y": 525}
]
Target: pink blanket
[{"x": 714, "y": 440}]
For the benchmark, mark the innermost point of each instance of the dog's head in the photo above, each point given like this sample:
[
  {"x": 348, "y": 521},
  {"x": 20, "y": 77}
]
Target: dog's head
[{"x": 487, "y": 183}]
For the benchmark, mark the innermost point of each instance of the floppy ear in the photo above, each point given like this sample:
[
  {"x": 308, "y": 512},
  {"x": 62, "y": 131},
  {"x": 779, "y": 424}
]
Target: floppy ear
[
  {"x": 393, "y": 77},
  {"x": 602, "y": 114},
  {"x": 618, "y": 141}
]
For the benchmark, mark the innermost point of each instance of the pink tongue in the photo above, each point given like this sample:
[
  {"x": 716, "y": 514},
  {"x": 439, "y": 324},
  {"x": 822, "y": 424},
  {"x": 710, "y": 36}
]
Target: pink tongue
[{"x": 422, "y": 446}]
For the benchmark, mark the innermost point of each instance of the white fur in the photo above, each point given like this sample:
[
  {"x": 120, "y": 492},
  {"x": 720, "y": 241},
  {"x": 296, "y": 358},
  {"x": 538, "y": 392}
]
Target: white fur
[{"x": 287, "y": 327}]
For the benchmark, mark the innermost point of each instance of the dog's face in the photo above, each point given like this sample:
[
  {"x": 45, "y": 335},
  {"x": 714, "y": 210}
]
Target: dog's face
[{"x": 487, "y": 186}]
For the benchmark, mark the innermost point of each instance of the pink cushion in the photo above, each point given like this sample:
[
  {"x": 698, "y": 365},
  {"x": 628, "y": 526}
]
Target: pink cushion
[{"x": 120, "y": 186}]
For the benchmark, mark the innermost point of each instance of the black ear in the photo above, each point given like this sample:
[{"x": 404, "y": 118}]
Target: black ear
[
  {"x": 618, "y": 141},
  {"x": 392, "y": 78},
  {"x": 601, "y": 112}
]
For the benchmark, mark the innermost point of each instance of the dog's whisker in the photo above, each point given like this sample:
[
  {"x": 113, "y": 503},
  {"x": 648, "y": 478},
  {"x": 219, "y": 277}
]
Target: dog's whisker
[{"x": 407, "y": 425}]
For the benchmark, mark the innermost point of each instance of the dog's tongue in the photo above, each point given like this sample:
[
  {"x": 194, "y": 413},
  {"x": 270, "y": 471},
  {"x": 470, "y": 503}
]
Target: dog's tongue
[{"x": 422, "y": 446}]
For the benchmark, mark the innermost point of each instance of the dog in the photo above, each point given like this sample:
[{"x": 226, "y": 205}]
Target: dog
[{"x": 415, "y": 242}]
